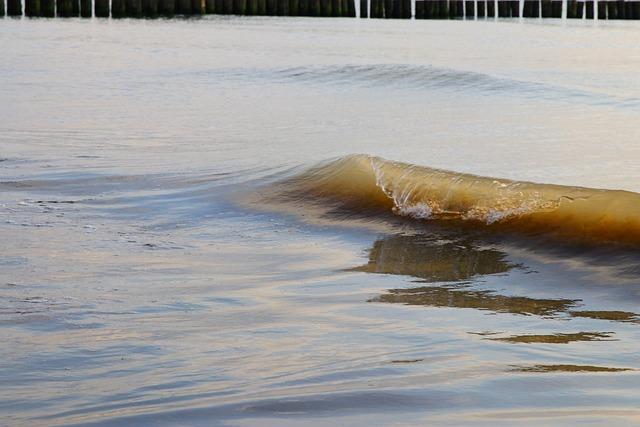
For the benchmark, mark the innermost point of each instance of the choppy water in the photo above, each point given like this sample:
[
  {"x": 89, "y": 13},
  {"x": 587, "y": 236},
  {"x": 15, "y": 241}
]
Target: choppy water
[{"x": 172, "y": 255}]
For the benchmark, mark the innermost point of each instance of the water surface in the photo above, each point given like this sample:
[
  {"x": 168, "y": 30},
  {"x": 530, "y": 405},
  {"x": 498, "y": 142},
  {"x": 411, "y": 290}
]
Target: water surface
[{"x": 152, "y": 271}]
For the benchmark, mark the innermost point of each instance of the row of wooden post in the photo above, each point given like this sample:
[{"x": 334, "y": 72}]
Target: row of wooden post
[
  {"x": 168, "y": 8},
  {"x": 457, "y": 9},
  {"x": 399, "y": 9}
]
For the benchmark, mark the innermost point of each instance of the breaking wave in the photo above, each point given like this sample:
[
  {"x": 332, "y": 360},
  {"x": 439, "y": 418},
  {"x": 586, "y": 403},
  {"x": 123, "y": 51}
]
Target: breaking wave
[{"x": 370, "y": 185}]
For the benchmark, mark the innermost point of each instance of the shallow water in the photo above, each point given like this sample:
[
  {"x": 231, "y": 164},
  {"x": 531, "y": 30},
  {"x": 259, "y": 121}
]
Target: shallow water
[{"x": 148, "y": 276}]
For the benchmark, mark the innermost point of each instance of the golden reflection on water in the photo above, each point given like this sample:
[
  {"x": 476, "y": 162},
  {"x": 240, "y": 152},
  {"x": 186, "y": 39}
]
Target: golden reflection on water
[
  {"x": 447, "y": 266},
  {"x": 432, "y": 260},
  {"x": 616, "y": 316},
  {"x": 557, "y": 338},
  {"x": 567, "y": 368},
  {"x": 435, "y": 261},
  {"x": 459, "y": 297}
]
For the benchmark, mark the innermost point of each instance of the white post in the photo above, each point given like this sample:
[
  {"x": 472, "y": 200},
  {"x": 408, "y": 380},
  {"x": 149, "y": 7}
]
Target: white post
[
  {"x": 564, "y": 9},
  {"x": 595, "y": 10}
]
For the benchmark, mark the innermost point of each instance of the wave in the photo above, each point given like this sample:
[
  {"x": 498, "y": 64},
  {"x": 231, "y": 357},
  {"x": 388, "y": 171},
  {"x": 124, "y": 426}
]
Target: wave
[
  {"x": 367, "y": 186},
  {"x": 418, "y": 77}
]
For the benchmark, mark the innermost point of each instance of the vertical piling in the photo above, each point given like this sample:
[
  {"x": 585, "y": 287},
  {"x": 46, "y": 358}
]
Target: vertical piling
[
  {"x": 150, "y": 8},
  {"x": 271, "y": 7},
  {"x": 373, "y": 4},
  {"x": 48, "y": 8},
  {"x": 481, "y": 5},
  {"x": 14, "y": 7},
  {"x": 635, "y": 9},
  {"x": 469, "y": 11},
  {"x": 628, "y": 10},
  {"x": 612, "y": 10},
  {"x": 102, "y": 8},
  {"x": 514, "y": 5},
  {"x": 118, "y": 8},
  {"x": 314, "y": 7},
  {"x": 427, "y": 9},
  {"x": 387, "y": 8},
  {"x": 336, "y": 8},
  {"x": 546, "y": 9},
  {"x": 303, "y": 7},
  {"x": 602, "y": 10},
  {"x": 327, "y": 8},
  {"x": 283, "y": 7},
  {"x": 166, "y": 8},
  {"x": 491, "y": 9},
  {"x": 441, "y": 10},
  {"x": 377, "y": 9},
  {"x": 588, "y": 13},
  {"x": 455, "y": 9},
  {"x": 363, "y": 9},
  {"x": 293, "y": 8},
  {"x": 430, "y": 9},
  {"x": 134, "y": 8},
  {"x": 86, "y": 8},
  {"x": 394, "y": 11},
  {"x": 252, "y": 7},
  {"x": 504, "y": 9},
  {"x": 63, "y": 8},
  {"x": 622, "y": 9},
  {"x": 350, "y": 8},
  {"x": 183, "y": 7},
  {"x": 197, "y": 7},
  {"x": 240, "y": 7},
  {"x": 31, "y": 7}
]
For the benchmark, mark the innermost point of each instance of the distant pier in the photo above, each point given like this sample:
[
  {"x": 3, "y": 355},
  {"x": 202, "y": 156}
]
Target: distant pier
[{"x": 385, "y": 9}]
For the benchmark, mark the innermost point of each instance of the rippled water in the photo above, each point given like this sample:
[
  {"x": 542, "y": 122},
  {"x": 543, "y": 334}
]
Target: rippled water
[{"x": 146, "y": 277}]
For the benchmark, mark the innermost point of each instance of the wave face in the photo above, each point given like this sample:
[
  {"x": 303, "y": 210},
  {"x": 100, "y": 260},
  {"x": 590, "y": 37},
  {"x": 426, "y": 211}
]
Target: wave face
[{"x": 366, "y": 183}]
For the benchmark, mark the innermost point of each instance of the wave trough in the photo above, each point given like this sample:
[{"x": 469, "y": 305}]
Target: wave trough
[{"x": 365, "y": 183}]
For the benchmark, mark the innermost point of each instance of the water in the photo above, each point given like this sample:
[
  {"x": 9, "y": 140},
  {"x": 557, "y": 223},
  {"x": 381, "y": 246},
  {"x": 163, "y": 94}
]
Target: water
[{"x": 154, "y": 273}]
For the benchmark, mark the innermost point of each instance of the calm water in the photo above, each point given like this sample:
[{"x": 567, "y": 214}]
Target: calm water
[{"x": 148, "y": 276}]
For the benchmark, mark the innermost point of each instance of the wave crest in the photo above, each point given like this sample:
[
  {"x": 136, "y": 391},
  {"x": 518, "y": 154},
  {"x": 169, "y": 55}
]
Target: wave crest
[{"x": 366, "y": 183}]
